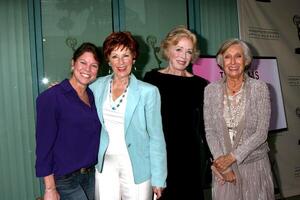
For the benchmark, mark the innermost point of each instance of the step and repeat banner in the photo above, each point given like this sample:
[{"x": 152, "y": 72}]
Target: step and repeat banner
[{"x": 272, "y": 28}]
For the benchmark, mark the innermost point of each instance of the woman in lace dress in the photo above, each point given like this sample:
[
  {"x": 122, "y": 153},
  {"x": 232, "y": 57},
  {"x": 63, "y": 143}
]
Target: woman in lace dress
[{"x": 236, "y": 114}]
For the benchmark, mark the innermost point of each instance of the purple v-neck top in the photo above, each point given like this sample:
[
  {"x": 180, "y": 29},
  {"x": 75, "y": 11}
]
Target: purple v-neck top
[{"x": 67, "y": 131}]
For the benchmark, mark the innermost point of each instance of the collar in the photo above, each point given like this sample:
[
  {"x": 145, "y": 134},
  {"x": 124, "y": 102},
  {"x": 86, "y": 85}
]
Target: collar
[{"x": 67, "y": 88}]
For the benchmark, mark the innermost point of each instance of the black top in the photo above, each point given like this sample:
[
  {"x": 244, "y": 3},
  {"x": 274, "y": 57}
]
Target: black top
[{"x": 182, "y": 115}]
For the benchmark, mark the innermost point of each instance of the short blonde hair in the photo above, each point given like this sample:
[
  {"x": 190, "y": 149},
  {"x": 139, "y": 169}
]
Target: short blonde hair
[
  {"x": 173, "y": 38},
  {"x": 228, "y": 43}
]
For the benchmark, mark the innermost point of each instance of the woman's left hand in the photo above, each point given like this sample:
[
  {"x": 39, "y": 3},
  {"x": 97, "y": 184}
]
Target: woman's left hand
[
  {"x": 223, "y": 162},
  {"x": 157, "y": 191},
  {"x": 230, "y": 177}
]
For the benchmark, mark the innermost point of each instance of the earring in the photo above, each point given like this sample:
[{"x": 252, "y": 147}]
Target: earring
[
  {"x": 109, "y": 68},
  {"x": 134, "y": 67}
]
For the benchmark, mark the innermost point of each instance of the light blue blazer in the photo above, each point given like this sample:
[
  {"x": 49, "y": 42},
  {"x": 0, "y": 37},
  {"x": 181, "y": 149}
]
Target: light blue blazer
[{"x": 143, "y": 130}]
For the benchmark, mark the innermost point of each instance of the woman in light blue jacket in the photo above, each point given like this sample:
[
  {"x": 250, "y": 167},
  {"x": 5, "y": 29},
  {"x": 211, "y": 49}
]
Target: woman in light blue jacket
[{"x": 132, "y": 156}]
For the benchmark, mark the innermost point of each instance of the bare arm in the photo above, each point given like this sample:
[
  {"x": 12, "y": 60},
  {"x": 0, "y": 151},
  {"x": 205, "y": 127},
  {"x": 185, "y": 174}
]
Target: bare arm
[{"x": 50, "y": 188}]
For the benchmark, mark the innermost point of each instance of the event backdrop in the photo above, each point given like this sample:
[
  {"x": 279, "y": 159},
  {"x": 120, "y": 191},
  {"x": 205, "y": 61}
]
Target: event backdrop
[{"x": 272, "y": 28}]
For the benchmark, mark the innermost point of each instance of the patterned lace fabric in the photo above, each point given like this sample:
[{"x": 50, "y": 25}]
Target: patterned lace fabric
[{"x": 234, "y": 111}]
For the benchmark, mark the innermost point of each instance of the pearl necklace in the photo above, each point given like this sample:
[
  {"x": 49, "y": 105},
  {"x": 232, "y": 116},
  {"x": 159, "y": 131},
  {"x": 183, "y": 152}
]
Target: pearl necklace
[
  {"x": 121, "y": 99},
  {"x": 235, "y": 108}
]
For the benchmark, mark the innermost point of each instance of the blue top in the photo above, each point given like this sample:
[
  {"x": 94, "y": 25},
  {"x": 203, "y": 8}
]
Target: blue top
[{"x": 67, "y": 131}]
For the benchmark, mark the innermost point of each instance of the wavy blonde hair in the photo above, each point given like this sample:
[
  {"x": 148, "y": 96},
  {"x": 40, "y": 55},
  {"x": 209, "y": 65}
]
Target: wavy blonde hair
[{"x": 173, "y": 38}]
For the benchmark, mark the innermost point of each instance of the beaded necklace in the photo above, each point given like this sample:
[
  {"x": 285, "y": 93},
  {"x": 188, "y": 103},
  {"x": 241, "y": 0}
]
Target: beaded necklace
[
  {"x": 234, "y": 110},
  {"x": 112, "y": 104}
]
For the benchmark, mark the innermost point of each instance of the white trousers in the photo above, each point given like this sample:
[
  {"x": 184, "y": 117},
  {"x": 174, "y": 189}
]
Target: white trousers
[{"x": 116, "y": 181}]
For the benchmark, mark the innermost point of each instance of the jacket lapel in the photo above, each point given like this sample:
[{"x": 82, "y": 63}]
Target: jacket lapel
[
  {"x": 101, "y": 96},
  {"x": 132, "y": 100},
  {"x": 242, "y": 124}
]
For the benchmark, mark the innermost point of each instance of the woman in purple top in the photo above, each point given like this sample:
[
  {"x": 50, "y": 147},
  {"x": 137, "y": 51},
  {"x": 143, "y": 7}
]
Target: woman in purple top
[{"x": 68, "y": 131}]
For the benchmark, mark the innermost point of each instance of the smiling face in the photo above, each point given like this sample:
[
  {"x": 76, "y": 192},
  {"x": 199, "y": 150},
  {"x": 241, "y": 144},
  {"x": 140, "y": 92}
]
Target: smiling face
[
  {"x": 85, "y": 69},
  {"x": 121, "y": 61},
  {"x": 234, "y": 62},
  {"x": 180, "y": 55}
]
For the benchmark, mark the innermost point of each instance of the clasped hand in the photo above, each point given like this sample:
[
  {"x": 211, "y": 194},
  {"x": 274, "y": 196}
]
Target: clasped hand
[
  {"x": 224, "y": 173},
  {"x": 222, "y": 163}
]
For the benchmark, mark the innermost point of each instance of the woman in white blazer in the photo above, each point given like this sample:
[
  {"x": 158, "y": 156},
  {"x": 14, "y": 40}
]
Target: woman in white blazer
[{"x": 132, "y": 155}]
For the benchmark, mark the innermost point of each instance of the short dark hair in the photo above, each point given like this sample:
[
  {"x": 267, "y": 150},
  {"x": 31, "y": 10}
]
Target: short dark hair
[
  {"x": 120, "y": 39},
  {"x": 87, "y": 47}
]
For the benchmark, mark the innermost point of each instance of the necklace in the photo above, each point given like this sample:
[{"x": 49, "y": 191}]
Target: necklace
[
  {"x": 234, "y": 110},
  {"x": 112, "y": 104},
  {"x": 235, "y": 88},
  {"x": 235, "y": 105}
]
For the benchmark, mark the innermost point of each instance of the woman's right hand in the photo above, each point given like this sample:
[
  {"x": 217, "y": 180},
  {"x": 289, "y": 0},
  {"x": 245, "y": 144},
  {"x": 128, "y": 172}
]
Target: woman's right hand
[
  {"x": 51, "y": 195},
  {"x": 50, "y": 188}
]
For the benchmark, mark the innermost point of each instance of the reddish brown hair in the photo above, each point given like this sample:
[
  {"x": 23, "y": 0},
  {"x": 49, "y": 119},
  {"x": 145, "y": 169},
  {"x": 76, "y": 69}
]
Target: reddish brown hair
[{"x": 120, "y": 40}]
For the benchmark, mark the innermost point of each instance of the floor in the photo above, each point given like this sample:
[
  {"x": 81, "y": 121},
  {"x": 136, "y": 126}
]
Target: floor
[
  {"x": 293, "y": 198},
  {"x": 207, "y": 196}
]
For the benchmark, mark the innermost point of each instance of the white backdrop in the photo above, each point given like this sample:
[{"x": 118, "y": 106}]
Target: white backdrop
[{"x": 272, "y": 28}]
